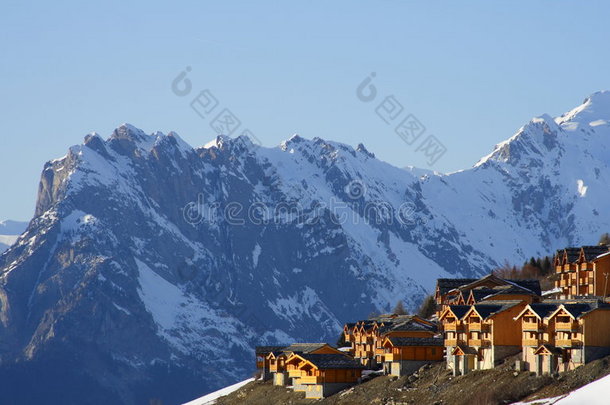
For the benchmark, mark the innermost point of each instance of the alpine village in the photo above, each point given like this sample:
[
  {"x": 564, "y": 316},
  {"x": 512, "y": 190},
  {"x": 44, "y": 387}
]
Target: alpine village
[{"x": 471, "y": 324}]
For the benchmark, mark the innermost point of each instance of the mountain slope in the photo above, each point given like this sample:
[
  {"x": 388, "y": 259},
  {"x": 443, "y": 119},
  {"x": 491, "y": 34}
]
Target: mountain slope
[{"x": 150, "y": 261}]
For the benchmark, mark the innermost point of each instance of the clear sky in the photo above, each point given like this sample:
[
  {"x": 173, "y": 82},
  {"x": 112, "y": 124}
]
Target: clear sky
[{"x": 471, "y": 72}]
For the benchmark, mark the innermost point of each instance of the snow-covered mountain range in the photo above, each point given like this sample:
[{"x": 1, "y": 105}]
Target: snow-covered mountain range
[
  {"x": 9, "y": 233},
  {"x": 152, "y": 268}
]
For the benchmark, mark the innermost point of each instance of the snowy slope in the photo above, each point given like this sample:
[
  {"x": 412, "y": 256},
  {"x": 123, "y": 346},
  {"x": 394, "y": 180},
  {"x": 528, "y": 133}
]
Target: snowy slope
[
  {"x": 211, "y": 398},
  {"x": 595, "y": 393},
  {"x": 151, "y": 260}
]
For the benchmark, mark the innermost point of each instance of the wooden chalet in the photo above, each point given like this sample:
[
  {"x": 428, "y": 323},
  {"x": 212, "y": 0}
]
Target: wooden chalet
[
  {"x": 262, "y": 363},
  {"x": 321, "y": 375},
  {"x": 581, "y": 336},
  {"x": 583, "y": 271},
  {"x": 404, "y": 355},
  {"x": 488, "y": 332},
  {"x": 470, "y": 291},
  {"x": 277, "y": 359},
  {"x": 453, "y": 327},
  {"x": 367, "y": 336},
  {"x": 536, "y": 330}
]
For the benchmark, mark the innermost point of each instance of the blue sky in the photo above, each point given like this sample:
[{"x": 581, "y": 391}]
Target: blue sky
[{"x": 471, "y": 72}]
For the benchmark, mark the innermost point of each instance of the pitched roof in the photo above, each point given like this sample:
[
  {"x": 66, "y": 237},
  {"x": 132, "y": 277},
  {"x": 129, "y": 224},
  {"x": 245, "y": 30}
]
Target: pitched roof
[
  {"x": 459, "y": 310},
  {"x": 268, "y": 349},
  {"x": 445, "y": 285},
  {"x": 479, "y": 293},
  {"x": 490, "y": 308},
  {"x": 543, "y": 310},
  {"x": 532, "y": 285},
  {"x": 572, "y": 253},
  {"x": 303, "y": 347},
  {"x": 552, "y": 349},
  {"x": 409, "y": 325},
  {"x": 465, "y": 350},
  {"x": 325, "y": 361},
  {"x": 591, "y": 252},
  {"x": 578, "y": 310},
  {"x": 415, "y": 341}
]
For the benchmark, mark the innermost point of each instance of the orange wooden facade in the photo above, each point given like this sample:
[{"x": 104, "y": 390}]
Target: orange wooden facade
[{"x": 583, "y": 272}]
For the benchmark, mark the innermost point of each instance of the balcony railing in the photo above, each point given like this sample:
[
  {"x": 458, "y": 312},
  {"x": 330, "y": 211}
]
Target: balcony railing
[
  {"x": 532, "y": 326},
  {"x": 389, "y": 356},
  {"x": 294, "y": 373},
  {"x": 571, "y": 326},
  {"x": 531, "y": 342},
  {"x": 568, "y": 342},
  {"x": 474, "y": 342},
  {"x": 450, "y": 342},
  {"x": 311, "y": 379},
  {"x": 450, "y": 326}
]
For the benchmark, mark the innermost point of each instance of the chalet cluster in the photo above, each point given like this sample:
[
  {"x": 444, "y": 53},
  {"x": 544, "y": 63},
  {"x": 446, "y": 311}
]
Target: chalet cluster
[
  {"x": 487, "y": 320},
  {"x": 317, "y": 369},
  {"x": 478, "y": 324}
]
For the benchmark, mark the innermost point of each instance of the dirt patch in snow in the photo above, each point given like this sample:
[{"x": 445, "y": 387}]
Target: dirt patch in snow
[{"x": 434, "y": 385}]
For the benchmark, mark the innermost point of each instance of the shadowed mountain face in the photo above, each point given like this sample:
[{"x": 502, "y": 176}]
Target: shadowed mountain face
[{"x": 151, "y": 269}]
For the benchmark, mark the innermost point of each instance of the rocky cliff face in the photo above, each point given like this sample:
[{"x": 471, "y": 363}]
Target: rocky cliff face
[{"x": 151, "y": 268}]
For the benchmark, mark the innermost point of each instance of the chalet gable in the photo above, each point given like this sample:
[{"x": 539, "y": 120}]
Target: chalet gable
[
  {"x": 463, "y": 350},
  {"x": 578, "y": 310},
  {"x": 412, "y": 341},
  {"x": 489, "y": 310},
  {"x": 456, "y": 311},
  {"x": 539, "y": 310},
  {"x": 547, "y": 350},
  {"x": 324, "y": 361}
]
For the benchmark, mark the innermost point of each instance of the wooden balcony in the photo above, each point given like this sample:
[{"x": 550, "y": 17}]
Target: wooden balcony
[
  {"x": 479, "y": 342},
  {"x": 451, "y": 342},
  {"x": 312, "y": 379},
  {"x": 532, "y": 326},
  {"x": 571, "y": 326},
  {"x": 480, "y": 327},
  {"x": 294, "y": 373},
  {"x": 450, "y": 326},
  {"x": 568, "y": 343},
  {"x": 531, "y": 342}
]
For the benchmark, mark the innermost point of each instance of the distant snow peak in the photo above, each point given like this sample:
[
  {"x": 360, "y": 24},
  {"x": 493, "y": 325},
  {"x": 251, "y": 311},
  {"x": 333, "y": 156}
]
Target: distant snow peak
[
  {"x": 217, "y": 142},
  {"x": 582, "y": 189}
]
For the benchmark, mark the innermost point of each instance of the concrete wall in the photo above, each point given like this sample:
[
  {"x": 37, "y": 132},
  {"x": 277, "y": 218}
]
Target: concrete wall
[
  {"x": 529, "y": 358},
  {"x": 280, "y": 378},
  {"x": 501, "y": 352},
  {"x": 405, "y": 367},
  {"x": 296, "y": 386},
  {"x": 593, "y": 353},
  {"x": 324, "y": 390},
  {"x": 266, "y": 374}
]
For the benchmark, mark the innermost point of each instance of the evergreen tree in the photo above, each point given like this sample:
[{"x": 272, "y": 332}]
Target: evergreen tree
[
  {"x": 427, "y": 308},
  {"x": 399, "y": 309},
  {"x": 341, "y": 342}
]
